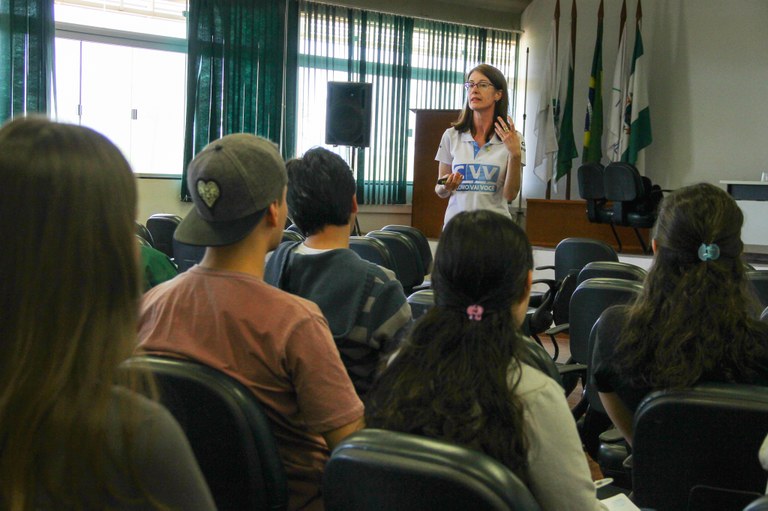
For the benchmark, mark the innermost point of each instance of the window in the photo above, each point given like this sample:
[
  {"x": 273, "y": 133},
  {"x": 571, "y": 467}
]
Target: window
[
  {"x": 115, "y": 74},
  {"x": 411, "y": 63}
]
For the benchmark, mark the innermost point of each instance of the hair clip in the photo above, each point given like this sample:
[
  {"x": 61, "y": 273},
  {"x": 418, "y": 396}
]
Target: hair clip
[
  {"x": 709, "y": 252},
  {"x": 475, "y": 312}
]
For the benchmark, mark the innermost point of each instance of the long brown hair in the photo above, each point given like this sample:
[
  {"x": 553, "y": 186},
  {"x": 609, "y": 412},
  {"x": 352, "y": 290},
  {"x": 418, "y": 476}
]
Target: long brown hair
[
  {"x": 696, "y": 319},
  {"x": 451, "y": 378},
  {"x": 69, "y": 294},
  {"x": 465, "y": 121}
]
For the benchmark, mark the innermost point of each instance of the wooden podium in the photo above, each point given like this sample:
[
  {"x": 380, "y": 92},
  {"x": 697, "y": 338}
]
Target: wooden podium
[{"x": 428, "y": 209}]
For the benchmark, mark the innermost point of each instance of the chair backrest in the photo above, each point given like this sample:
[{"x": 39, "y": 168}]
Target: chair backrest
[
  {"x": 408, "y": 265},
  {"x": 613, "y": 270},
  {"x": 186, "y": 256},
  {"x": 572, "y": 254},
  {"x": 421, "y": 241},
  {"x": 588, "y": 301},
  {"x": 162, "y": 226},
  {"x": 706, "y": 436},
  {"x": 143, "y": 232},
  {"x": 143, "y": 241},
  {"x": 421, "y": 301},
  {"x": 292, "y": 235},
  {"x": 764, "y": 315},
  {"x": 227, "y": 429},
  {"x": 375, "y": 469},
  {"x": 759, "y": 281},
  {"x": 590, "y": 177},
  {"x": 622, "y": 182},
  {"x": 373, "y": 250},
  {"x": 760, "y": 504}
]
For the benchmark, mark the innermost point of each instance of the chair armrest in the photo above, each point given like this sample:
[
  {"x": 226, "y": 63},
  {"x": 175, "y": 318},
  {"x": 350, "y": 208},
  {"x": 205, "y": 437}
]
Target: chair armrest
[
  {"x": 558, "y": 329},
  {"x": 571, "y": 368}
]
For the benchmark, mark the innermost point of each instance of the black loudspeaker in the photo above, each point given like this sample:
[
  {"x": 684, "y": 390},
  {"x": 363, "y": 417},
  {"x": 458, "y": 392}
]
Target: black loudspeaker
[{"x": 348, "y": 114}]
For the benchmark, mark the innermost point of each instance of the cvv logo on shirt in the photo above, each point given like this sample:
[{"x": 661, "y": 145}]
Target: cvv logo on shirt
[{"x": 478, "y": 177}]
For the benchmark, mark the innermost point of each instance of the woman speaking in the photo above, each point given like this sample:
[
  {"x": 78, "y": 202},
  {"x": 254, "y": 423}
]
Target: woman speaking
[{"x": 482, "y": 155}]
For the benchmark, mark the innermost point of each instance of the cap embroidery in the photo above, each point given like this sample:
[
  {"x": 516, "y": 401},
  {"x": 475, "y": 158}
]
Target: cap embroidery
[{"x": 208, "y": 191}]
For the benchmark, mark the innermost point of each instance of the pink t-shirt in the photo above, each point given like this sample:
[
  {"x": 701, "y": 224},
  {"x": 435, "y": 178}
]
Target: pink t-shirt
[{"x": 277, "y": 344}]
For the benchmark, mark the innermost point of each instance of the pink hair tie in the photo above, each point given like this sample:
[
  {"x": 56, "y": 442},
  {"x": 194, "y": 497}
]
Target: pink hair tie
[{"x": 475, "y": 312}]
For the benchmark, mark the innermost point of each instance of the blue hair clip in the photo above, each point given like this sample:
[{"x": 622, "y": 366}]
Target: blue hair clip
[{"x": 709, "y": 252}]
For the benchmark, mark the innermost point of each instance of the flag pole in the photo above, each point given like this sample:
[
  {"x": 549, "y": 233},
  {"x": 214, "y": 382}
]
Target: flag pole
[
  {"x": 557, "y": 49},
  {"x": 573, "y": 54},
  {"x": 525, "y": 115}
]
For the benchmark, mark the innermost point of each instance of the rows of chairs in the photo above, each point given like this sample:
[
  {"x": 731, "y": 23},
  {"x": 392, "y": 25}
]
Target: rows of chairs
[{"x": 634, "y": 199}]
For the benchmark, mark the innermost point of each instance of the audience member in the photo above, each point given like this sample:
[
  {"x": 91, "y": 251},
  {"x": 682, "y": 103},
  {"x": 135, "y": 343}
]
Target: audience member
[
  {"x": 223, "y": 314},
  {"x": 364, "y": 304},
  {"x": 696, "y": 319},
  {"x": 156, "y": 267},
  {"x": 69, "y": 290},
  {"x": 458, "y": 376}
]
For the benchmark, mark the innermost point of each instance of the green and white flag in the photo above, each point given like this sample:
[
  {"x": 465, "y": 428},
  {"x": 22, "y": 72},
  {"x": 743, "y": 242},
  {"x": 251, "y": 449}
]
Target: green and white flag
[
  {"x": 615, "y": 141},
  {"x": 566, "y": 142},
  {"x": 593, "y": 121},
  {"x": 637, "y": 102}
]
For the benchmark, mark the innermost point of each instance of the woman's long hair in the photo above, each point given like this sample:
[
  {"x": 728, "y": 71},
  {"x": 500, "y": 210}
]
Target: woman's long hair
[
  {"x": 70, "y": 290},
  {"x": 450, "y": 380},
  {"x": 466, "y": 121},
  {"x": 696, "y": 319}
]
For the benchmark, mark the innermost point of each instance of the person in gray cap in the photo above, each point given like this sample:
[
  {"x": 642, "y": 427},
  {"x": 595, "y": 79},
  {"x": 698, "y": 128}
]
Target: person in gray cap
[{"x": 221, "y": 312}]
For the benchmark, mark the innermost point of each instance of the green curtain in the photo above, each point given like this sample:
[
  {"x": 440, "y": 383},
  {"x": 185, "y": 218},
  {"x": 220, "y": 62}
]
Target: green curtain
[
  {"x": 238, "y": 53},
  {"x": 26, "y": 56},
  {"x": 412, "y": 63}
]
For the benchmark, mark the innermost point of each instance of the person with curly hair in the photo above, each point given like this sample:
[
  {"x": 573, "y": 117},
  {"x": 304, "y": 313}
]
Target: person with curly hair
[{"x": 697, "y": 317}]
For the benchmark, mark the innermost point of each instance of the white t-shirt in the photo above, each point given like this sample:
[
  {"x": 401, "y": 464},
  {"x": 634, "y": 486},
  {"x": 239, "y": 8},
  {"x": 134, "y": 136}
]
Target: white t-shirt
[{"x": 484, "y": 170}]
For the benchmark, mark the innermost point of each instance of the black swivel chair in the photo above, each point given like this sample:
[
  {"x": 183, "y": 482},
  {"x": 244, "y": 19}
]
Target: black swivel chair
[
  {"x": 421, "y": 301},
  {"x": 186, "y": 256},
  {"x": 409, "y": 267},
  {"x": 759, "y": 281},
  {"x": 378, "y": 470},
  {"x": 143, "y": 232},
  {"x": 571, "y": 255},
  {"x": 227, "y": 429},
  {"x": 162, "y": 226},
  {"x": 421, "y": 241},
  {"x": 635, "y": 200},
  {"x": 590, "y": 178},
  {"x": 611, "y": 270},
  {"x": 373, "y": 250},
  {"x": 697, "y": 448}
]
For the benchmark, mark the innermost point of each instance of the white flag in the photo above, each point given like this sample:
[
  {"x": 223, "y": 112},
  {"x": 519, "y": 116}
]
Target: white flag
[
  {"x": 616, "y": 141},
  {"x": 544, "y": 129}
]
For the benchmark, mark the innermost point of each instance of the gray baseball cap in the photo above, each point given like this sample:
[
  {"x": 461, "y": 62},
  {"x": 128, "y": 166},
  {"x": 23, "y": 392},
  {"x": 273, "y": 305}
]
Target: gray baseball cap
[{"x": 232, "y": 181}]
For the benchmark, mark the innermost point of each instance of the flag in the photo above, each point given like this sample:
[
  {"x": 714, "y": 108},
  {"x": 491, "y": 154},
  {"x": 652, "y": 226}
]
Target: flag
[
  {"x": 640, "y": 113},
  {"x": 545, "y": 128},
  {"x": 593, "y": 122},
  {"x": 566, "y": 142},
  {"x": 616, "y": 139}
]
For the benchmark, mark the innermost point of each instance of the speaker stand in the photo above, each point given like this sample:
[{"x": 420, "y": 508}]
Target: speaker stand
[{"x": 353, "y": 167}]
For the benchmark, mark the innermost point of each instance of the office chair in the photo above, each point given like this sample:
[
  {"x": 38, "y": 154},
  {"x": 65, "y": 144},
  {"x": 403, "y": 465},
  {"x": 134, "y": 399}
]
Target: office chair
[
  {"x": 611, "y": 270},
  {"x": 409, "y": 268},
  {"x": 699, "y": 447},
  {"x": 162, "y": 226},
  {"x": 571, "y": 255},
  {"x": 143, "y": 232},
  {"x": 635, "y": 199},
  {"x": 186, "y": 256},
  {"x": 421, "y": 241},
  {"x": 590, "y": 178},
  {"x": 375, "y": 469},
  {"x": 421, "y": 301},
  {"x": 228, "y": 430},
  {"x": 759, "y": 281},
  {"x": 373, "y": 250}
]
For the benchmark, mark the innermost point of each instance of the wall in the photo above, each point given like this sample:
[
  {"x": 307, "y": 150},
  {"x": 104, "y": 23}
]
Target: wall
[
  {"x": 708, "y": 69},
  {"x": 162, "y": 196}
]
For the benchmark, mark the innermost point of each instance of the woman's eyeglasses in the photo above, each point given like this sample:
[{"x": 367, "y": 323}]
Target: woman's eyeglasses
[{"x": 479, "y": 85}]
